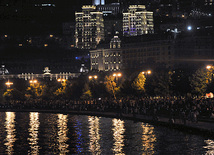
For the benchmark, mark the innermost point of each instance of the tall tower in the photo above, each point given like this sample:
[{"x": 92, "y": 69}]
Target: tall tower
[
  {"x": 98, "y": 2},
  {"x": 89, "y": 29},
  {"x": 137, "y": 21}
]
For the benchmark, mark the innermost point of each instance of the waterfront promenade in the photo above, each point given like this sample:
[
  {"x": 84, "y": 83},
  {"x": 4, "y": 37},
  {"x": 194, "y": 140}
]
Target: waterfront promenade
[
  {"x": 187, "y": 115},
  {"x": 202, "y": 127}
]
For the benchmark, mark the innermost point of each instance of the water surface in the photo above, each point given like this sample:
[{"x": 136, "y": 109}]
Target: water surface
[{"x": 47, "y": 133}]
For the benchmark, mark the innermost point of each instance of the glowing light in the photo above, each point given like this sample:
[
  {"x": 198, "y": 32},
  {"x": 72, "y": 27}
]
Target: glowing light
[
  {"x": 62, "y": 133},
  {"x": 5, "y": 36},
  {"x": 91, "y": 77},
  {"x": 10, "y": 130},
  {"x": 8, "y": 83},
  {"x": 209, "y": 67},
  {"x": 33, "y": 81},
  {"x": 51, "y": 35},
  {"x": 118, "y": 135},
  {"x": 33, "y": 132},
  {"x": 189, "y": 28},
  {"x": 149, "y": 72},
  {"x": 45, "y": 45},
  {"x": 148, "y": 139},
  {"x": 94, "y": 135},
  {"x": 210, "y": 146},
  {"x": 61, "y": 80},
  {"x": 119, "y": 74},
  {"x": 20, "y": 45}
]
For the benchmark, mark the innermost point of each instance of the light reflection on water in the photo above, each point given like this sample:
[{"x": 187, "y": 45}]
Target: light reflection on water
[
  {"x": 62, "y": 134},
  {"x": 11, "y": 132},
  {"x": 42, "y": 133},
  {"x": 209, "y": 147},
  {"x": 33, "y": 132},
  {"x": 118, "y": 134},
  {"x": 94, "y": 135},
  {"x": 78, "y": 132},
  {"x": 148, "y": 139}
]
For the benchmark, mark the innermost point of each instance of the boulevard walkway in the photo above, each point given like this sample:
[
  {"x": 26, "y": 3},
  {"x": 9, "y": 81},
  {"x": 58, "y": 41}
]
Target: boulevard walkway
[{"x": 205, "y": 127}]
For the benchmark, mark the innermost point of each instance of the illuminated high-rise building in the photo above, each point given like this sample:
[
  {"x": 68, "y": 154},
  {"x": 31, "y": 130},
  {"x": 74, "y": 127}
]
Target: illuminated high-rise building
[
  {"x": 98, "y": 2},
  {"x": 137, "y": 21},
  {"x": 209, "y": 2},
  {"x": 89, "y": 29}
]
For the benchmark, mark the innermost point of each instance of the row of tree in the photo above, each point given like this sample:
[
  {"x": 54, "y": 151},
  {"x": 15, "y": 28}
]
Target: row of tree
[{"x": 167, "y": 83}]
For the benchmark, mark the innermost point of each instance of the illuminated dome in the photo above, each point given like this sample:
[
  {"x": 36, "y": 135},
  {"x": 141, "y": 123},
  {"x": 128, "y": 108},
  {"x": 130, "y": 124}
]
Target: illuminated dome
[{"x": 115, "y": 42}]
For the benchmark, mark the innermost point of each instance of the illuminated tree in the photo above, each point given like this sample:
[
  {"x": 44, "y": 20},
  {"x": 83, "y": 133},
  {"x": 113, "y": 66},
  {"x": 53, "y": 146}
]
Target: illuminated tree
[
  {"x": 111, "y": 86},
  {"x": 62, "y": 89},
  {"x": 35, "y": 90},
  {"x": 139, "y": 83},
  {"x": 86, "y": 92},
  {"x": 8, "y": 94}
]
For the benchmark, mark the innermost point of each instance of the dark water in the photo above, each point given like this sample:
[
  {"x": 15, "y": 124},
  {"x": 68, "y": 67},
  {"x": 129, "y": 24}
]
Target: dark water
[{"x": 46, "y": 133}]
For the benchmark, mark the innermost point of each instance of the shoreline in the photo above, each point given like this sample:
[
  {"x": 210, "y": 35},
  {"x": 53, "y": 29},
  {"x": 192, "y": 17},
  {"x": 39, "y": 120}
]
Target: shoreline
[{"x": 200, "y": 128}]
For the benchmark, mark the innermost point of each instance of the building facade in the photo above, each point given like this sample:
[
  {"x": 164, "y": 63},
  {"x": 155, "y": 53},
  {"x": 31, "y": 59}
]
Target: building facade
[
  {"x": 137, "y": 21},
  {"x": 133, "y": 56},
  {"x": 107, "y": 59},
  {"x": 98, "y": 2},
  {"x": 110, "y": 9},
  {"x": 89, "y": 28}
]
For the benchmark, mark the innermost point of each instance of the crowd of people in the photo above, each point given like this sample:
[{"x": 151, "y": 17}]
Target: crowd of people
[{"x": 172, "y": 108}]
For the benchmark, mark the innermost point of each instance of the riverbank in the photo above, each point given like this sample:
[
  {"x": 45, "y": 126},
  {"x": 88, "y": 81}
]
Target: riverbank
[{"x": 201, "y": 127}]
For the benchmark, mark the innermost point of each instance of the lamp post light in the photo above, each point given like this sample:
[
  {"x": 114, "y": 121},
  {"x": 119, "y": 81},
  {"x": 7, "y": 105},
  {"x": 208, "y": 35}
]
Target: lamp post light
[
  {"x": 62, "y": 81},
  {"x": 90, "y": 77},
  {"x": 33, "y": 84},
  {"x": 8, "y": 84},
  {"x": 33, "y": 81},
  {"x": 147, "y": 72},
  {"x": 117, "y": 75},
  {"x": 209, "y": 67}
]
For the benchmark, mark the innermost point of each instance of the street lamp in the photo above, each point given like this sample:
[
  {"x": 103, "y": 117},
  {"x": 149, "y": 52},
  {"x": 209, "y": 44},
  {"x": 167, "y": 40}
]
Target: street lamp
[
  {"x": 117, "y": 75},
  {"x": 61, "y": 80},
  {"x": 8, "y": 84},
  {"x": 33, "y": 81},
  {"x": 92, "y": 77},
  {"x": 147, "y": 72},
  {"x": 209, "y": 67}
]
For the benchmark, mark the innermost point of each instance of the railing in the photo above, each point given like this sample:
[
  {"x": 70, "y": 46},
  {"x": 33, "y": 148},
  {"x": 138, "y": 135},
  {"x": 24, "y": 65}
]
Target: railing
[{"x": 30, "y": 76}]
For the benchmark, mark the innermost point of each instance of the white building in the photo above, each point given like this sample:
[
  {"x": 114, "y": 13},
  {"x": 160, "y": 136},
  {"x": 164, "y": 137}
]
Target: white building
[
  {"x": 107, "y": 59},
  {"x": 98, "y": 2},
  {"x": 89, "y": 28},
  {"x": 137, "y": 21}
]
